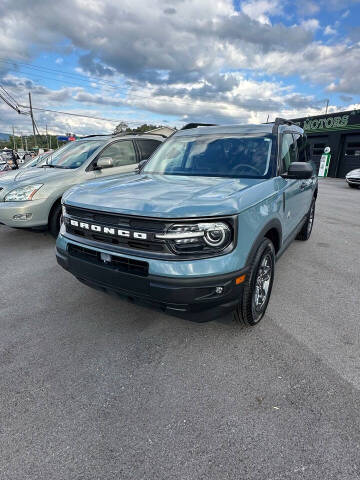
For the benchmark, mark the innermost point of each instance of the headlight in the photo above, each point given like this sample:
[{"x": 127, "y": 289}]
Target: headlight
[
  {"x": 23, "y": 193},
  {"x": 209, "y": 237},
  {"x": 63, "y": 210}
]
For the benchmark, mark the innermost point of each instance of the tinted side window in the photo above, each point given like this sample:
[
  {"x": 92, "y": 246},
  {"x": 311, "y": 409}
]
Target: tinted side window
[
  {"x": 122, "y": 153},
  {"x": 147, "y": 147},
  {"x": 288, "y": 151},
  {"x": 301, "y": 147}
]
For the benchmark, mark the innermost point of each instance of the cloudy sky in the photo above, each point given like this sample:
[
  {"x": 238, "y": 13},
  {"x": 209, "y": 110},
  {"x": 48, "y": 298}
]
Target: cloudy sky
[{"x": 170, "y": 62}]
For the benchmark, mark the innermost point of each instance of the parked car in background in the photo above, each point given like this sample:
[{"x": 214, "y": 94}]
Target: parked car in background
[
  {"x": 10, "y": 157},
  {"x": 4, "y": 167},
  {"x": 198, "y": 230},
  {"x": 353, "y": 178},
  {"x": 31, "y": 197}
]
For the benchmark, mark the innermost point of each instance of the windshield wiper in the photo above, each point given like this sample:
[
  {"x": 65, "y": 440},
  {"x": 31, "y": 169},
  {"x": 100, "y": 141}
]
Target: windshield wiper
[{"x": 50, "y": 165}]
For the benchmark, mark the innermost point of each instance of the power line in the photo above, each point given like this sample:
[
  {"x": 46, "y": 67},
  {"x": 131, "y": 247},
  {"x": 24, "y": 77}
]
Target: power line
[
  {"x": 109, "y": 84},
  {"x": 61, "y": 72},
  {"x": 76, "y": 114},
  {"x": 11, "y": 98}
]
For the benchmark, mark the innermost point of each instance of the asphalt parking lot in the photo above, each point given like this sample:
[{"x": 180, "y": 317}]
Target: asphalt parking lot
[{"x": 94, "y": 387}]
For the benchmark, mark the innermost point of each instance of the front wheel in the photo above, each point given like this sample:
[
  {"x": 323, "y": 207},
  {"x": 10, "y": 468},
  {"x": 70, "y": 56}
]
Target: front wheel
[
  {"x": 353, "y": 186},
  {"x": 55, "y": 220},
  {"x": 258, "y": 286}
]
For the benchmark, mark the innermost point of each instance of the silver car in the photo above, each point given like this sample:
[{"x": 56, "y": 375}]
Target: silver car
[
  {"x": 353, "y": 178},
  {"x": 32, "y": 197}
]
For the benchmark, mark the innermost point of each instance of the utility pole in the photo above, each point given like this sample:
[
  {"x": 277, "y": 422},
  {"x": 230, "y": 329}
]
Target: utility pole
[
  {"x": 26, "y": 144},
  {"x": 327, "y": 105},
  {"x": 47, "y": 138},
  {"x": 32, "y": 119},
  {"x": 50, "y": 141},
  {"x": 22, "y": 143},
  {"x": 14, "y": 137}
]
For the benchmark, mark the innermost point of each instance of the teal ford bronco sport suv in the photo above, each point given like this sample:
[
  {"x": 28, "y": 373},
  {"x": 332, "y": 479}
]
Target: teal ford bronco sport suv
[{"x": 197, "y": 229}]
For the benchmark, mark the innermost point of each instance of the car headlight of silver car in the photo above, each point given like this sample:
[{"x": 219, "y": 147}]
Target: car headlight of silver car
[
  {"x": 23, "y": 194},
  {"x": 199, "y": 237}
]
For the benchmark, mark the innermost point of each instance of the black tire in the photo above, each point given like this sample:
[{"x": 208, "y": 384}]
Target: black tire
[
  {"x": 255, "y": 299},
  {"x": 306, "y": 230},
  {"x": 353, "y": 186},
  {"x": 54, "y": 220}
]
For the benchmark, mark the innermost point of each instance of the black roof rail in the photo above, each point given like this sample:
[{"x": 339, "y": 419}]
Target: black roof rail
[
  {"x": 195, "y": 125},
  {"x": 143, "y": 133},
  {"x": 96, "y": 135},
  {"x": 281, "y": 121}
]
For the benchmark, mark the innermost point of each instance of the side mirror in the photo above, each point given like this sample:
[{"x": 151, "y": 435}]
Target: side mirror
[
  {"x": 104, "y": 162},
  {"x": 299, "y": 171},
  {"x": 141, "y": 165}
]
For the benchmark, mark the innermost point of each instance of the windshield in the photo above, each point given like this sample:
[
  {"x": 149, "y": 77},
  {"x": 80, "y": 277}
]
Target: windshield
[
  {"x": 35, "y": 161},
  {"x": 72, "y": 155},
  {"x": 239, "y": 156}
]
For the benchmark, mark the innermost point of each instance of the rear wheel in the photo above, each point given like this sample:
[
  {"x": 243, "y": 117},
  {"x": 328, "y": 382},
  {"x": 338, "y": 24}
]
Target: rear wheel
[
  {"x": 306, "y": 230},
  {"x": 258, "y": 286},
  {"x": 55, "y": 220}
]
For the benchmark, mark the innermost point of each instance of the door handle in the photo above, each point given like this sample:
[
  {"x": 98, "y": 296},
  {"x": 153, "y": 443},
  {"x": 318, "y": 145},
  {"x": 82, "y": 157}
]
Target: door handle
[{"x": 303, "y": 185}]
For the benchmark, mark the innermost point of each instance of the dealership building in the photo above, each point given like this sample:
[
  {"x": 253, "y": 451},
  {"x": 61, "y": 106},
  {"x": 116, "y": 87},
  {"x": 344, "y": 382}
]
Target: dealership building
[{"x": 339, "y": 131}]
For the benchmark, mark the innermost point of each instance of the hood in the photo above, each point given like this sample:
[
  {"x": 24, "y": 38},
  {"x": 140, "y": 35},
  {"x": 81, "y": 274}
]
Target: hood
[
  {"x": 21, "y": 176},
  {"x": 167, "y": 196},
  {"x": 354, "y": 173}
]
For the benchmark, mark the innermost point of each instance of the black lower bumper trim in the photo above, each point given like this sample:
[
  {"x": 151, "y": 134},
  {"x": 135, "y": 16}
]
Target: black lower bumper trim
[{"x": 185, "y": 297}]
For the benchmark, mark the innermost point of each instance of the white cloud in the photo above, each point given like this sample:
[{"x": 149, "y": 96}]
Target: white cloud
[
  {"x": 59, "y": 60},
  {"x": 329, "y": 30},
  {"x": 261, "y": 10},
  {"x": 311, "y": 24}
]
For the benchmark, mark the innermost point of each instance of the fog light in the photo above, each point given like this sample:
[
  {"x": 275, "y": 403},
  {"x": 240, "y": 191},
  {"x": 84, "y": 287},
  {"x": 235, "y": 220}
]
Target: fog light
[
  {"x": 22, "y": 216},
  {"x": 219, "y": 290}
]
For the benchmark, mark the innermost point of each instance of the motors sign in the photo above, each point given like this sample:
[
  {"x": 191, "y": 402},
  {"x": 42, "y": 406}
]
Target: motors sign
[
  {"x": 332, "y": 122},
  {"x": 326, "y": 122}
]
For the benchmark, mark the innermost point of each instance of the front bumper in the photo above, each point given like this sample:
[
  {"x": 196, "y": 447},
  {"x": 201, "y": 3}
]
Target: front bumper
[
  {"x": 36, "y": 210},
  {"x": 353, "y": 181},
  {"x": 199, "y": 299}
]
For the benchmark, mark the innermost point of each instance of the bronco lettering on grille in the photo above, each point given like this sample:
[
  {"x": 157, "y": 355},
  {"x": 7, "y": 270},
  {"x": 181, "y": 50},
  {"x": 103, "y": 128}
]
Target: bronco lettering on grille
[{"x": 107, "y": 230}]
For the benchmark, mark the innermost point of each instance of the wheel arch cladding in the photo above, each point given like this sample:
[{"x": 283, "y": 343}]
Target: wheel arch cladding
[
  {"x": 274, "y": 235},
  {"x": 273, "y": 232}
]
